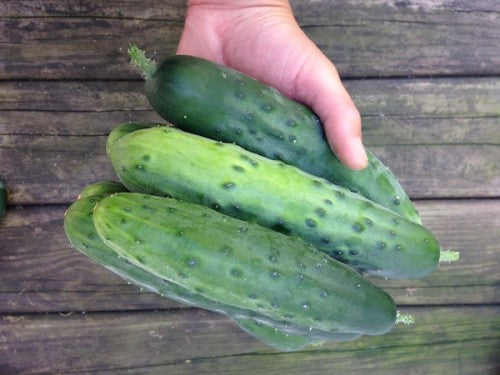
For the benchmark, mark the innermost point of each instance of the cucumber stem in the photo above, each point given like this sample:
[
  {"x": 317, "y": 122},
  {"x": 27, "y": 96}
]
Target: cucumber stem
[
  {"x": 404, "y": 318},
  {"x": 146, "y": 66},
  {"x": 448, "y": 256}
]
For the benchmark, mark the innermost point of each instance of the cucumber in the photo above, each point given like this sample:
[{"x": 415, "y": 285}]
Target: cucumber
[
  {"x": 80, "y": 230},
  {"x": 102, "y": 188},
  {"x": 342, "y": 224},
  {"x": 273, "y": 337},
  {"x": 3, "y": 199},
  {"x": 123, "y": 129},
  {"x": 242, "y": 264},
  {"x": 214, "y": 101}
]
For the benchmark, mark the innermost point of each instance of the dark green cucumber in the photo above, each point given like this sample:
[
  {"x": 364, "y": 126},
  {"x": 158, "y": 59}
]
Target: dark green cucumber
[
  {"x": 3, "y": 199},
  {"x": 345, "y": 225},
  {"x": 80, "y": 230},
  {"x": 242, "y": 264},
  {"x": 214, "y": 101}
]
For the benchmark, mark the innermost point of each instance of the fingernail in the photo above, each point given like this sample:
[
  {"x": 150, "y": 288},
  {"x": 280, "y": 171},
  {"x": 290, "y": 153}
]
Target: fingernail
[{"x": 359, "y": 159}]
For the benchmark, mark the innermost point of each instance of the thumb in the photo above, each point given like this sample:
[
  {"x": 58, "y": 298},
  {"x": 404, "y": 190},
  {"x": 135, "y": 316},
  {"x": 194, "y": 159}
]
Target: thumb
[{"x": 318, "y": 85}]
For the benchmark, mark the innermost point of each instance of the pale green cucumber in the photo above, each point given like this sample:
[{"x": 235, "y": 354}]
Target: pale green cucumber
[
  {"x": 342, "y": 224},
  {"x": 242, "y": 264},
  {"x": 217, "y": 102},
  {"x": 80, "y": 230},
  {"x": 123, "y": 129}
]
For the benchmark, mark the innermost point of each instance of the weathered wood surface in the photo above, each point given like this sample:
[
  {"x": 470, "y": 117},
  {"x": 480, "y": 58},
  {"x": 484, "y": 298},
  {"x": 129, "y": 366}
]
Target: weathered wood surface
[
  {"x": 408, "y": 111},
  {"x": 439, "y": 136},
  {"x": 41, "y": 273},
  {"x": 87, "y": 40},
  {"x": 452, "y": 340},
  {"x": 431, "y": 112}
]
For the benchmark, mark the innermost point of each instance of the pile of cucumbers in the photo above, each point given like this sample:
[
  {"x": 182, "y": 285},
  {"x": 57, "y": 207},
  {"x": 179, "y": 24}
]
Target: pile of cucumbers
[{"x": 237, "y": 205}]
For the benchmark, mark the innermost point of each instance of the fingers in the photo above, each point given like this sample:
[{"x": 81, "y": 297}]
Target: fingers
[
  {"x": 199, "y": 36},
  {"x": 318, "y": 85},
  {"x": 342, "y": 123}
]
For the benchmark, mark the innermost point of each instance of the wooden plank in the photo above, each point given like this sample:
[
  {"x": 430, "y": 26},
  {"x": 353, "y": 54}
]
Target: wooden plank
[
  {"x": 39, "y": 272},
  {"x": 80, "y": 47},
  {"x": 444, "y": 171},
  {"x": 87, "y": 40},
  {"x": 70, "y": 123},
  {"x": 321, "y": 10},
  {"x": 72, "y": 96},
  {"x": 40, "y": 169},
  {"x": 439, "y": 136},
  {"x": 398, "y": 38},
  {"x": 395, "y": 111},
  {"x": 43, "y": 169},
  {"x": 455, "y": 340},
  {"x": 428, "y": 111},
  {"x": 135, "y": 9}
]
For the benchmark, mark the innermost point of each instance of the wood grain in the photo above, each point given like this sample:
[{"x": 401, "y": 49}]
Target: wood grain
[
  {"x": 454, "y": 340},
  {"x": 138, "y": 9},
  {"x": 41, "y": 273},
  {"x": 425, "y": 76},
  {"x": 408, "y": 111},
  {"x": 398, "y": 38},
  {"x": 47, "y": 170},
  {"x": 85, "y": 40}
]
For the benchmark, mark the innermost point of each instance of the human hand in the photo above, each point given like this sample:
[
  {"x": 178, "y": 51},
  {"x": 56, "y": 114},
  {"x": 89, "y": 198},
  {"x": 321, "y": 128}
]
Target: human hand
[{"x": 262, "y": 39}]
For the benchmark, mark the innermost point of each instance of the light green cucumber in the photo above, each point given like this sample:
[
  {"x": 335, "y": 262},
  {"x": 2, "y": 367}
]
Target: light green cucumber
[
  {"x": 122, "y": 129},
  {"x": 80, "y": 230},
  {"x": 214, "y": 101},
  {"x": 342, "y": 224},
  {"x": 242, "y": 264}
]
